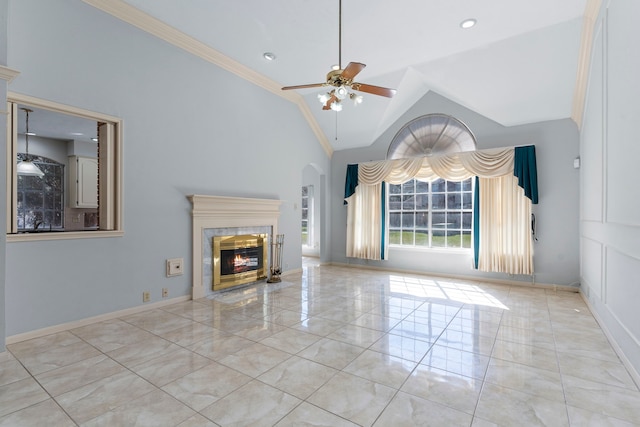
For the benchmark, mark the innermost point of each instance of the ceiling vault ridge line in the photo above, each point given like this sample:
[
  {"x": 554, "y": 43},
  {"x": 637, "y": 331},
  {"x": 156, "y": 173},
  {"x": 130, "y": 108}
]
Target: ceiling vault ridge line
[
  {"x": 584, "y": 59},
  {"x": 134, "y": 16}
]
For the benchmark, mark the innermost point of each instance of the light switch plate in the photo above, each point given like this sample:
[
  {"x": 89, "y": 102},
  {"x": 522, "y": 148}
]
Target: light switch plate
[{"x": 174, "y": 267}]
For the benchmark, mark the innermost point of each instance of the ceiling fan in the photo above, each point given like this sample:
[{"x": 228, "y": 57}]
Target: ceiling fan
[{"x": 341, "y": 79}]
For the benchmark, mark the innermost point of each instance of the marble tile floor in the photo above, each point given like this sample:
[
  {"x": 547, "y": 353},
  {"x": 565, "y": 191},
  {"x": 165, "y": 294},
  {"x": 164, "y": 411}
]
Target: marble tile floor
[{"x": 333, "y": 346}]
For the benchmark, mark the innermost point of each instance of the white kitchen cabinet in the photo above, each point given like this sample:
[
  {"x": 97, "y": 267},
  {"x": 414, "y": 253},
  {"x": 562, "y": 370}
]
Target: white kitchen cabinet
[{"x": 83, "y": 182}]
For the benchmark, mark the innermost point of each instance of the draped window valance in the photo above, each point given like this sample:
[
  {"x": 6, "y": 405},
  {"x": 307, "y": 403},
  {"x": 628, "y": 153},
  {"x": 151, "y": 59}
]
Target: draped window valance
[{"x": 489, "y": 163}]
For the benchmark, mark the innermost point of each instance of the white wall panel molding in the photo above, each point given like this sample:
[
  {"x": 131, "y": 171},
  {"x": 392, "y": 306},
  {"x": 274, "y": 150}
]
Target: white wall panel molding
[
  {"x": 600, "y": 313},
  {"x": 622, "y": 292},
  {"x": 609, "y": 129},
  {"x": 591, "y": 273}
]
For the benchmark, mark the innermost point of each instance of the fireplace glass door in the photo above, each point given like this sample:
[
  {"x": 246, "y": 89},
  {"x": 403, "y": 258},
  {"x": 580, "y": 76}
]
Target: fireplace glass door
[{"x": 238, "y": 260}]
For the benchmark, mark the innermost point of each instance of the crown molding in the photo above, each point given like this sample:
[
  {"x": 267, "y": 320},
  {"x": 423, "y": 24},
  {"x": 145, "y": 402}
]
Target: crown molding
[
  {"x": 131, "y": 15},
  {"x": 7, "y": 73},
  {"x": 584, "y": 60}
]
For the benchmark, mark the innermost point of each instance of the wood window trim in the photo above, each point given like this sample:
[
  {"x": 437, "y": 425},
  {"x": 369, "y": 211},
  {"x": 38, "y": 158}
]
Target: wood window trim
[{"x": 110, "y": 165}]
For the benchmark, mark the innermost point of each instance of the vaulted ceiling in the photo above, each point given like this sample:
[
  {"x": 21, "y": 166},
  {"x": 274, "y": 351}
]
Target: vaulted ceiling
[{"x": 517, "y": 65}]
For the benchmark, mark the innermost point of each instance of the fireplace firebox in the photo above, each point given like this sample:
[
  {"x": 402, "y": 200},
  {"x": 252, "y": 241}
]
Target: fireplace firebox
[{"x": 238, "y": 260}]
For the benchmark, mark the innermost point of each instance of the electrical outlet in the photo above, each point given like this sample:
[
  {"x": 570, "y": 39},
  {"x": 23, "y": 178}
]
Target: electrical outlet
[
  {"x": 165, "y": 292},
  {"x": 146, "y": 296},
  {"x": 174, "y": 267}
]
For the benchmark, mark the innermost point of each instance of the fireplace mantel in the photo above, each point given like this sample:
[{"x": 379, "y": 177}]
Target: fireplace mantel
[{"x": 223, "y": 212}]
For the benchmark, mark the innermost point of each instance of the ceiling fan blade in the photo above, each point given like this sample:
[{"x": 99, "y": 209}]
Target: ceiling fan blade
[
  {"x": 375, "y": 90},
  {"x": 352, "y": 70},
  {"x": 303, "y": 86}
]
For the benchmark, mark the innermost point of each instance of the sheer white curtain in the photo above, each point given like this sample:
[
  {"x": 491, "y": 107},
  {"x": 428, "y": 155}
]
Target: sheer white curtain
[
  {"x": 505, "y": 236},
  {"x": 505, "y": 213},
  {"x": 364, "y": 222}
]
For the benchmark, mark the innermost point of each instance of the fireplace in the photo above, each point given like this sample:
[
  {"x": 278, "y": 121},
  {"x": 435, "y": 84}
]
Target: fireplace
[
  {"x": 239, "y": 259},
  {"x": 215, "y": 216}
]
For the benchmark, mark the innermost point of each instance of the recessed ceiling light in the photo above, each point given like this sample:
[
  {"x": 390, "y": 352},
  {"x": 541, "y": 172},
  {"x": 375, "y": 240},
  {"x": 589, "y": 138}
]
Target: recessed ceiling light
[
  {"x": 335, "y": 67},
  {"x": 269, "y": 56},
  {"x": 30, "y": 133},
  {"x": 76, "y": 133},
  {"x": 468, "y": 23},
  {"x": 94, "y": 139}
]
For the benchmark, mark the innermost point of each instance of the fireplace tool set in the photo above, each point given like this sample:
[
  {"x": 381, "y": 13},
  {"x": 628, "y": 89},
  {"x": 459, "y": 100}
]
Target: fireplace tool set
[{"x": 276, "y": 258}]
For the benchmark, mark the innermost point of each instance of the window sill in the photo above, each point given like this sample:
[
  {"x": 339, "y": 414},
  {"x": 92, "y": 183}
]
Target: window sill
[
  {"x": 62, "y": 235},
  {"x": 452, "y": 251}
]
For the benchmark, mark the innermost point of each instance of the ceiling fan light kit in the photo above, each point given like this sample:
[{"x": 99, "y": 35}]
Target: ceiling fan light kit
[
  {"x": 26, "y": 167},
  {"x": 342, "y": 80}
]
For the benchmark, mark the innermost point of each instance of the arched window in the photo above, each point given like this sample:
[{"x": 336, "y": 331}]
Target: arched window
[
  {"x": 41, "y": 199},
  {"x": 434, "y": 214}
]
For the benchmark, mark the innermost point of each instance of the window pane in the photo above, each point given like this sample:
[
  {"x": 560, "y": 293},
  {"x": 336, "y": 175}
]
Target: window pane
[
  {"x": 453, "y": 185},
  {"x": 438, "y": 185},
  {"x": 395, "y": 203},
  {"x": 454, "y": 201},
  {"x": 466, "y": 201},
  {"x": 467, "y": 217},
  {"x": 438, "y": 201},
  {"x": 438, "y": 239},
  {"x": 422, "y": 220},
  {"x": 439, "y": 220},
  {"x": 453, "y": 239},
  {"x": 57, "y": 219},
  {"x": 33, "y": 199},
  {"x": 305, "y": 213},
  {"x": 395, "y": 189},
  {"x": 48, "y": 200},
  {"x": 305, "y": 191},
  {"x": 394, "y": 220},
  {"x": 422, "y": 202},
  {"x": 31, "y": 182},
  {"x": 466, "y": 239},
  {"x": 408, "y": 187},
  {"x": 422, "y": 238},
  {"x": 408, "y": 203},
  {"x": 408, "y": 220},
  {"x": 58, "y": 202},
  {"x": 422, "y": 187},
  {"x": 407, "y": 238},
  {"x": 466, "y": 184},
  {"x": 454, "y": 220},
  {"x": 395, "y": 237}
]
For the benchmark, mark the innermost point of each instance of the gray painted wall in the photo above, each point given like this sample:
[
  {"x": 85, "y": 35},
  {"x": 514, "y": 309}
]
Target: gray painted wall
[
  {"x": 556, "y": 252},
  {"x": 189, "y": 128},
  {"x": 609, "y": 149}
]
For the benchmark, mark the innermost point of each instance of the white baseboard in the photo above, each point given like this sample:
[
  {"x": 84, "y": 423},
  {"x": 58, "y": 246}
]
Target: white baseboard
[
  {"x": 292, "y": 272},
  {"x": 625, "y": 361},
  {"x": 89, "y": 320},
  {"x": 463, "y": 277}
]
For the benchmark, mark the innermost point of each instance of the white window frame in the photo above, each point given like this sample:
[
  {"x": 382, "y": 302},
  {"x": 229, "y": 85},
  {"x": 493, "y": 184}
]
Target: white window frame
[
  {"x": 310, "y": 220},
  {"x": 110, "y": 175},
  {"x": 430, "y": 226}
]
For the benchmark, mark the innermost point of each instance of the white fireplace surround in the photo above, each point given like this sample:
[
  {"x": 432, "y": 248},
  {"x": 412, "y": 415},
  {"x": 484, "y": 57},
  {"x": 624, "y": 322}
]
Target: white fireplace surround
[{"x": 210, "y": 212}]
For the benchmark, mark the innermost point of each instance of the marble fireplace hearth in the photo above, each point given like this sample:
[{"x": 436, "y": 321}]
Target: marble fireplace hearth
[{"x": 222, "y": 216}]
